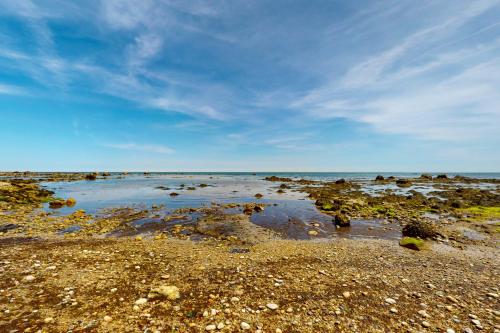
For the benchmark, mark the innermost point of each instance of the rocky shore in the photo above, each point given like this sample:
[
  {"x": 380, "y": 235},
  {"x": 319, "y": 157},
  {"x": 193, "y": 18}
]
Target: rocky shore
[{"x": 219, "y": 272}]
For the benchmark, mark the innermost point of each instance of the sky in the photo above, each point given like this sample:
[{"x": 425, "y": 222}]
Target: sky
[{"x": 338, "y": 85}]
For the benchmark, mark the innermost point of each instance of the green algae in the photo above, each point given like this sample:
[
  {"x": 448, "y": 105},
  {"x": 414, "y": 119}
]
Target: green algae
[{"x": 481, "y": 213}]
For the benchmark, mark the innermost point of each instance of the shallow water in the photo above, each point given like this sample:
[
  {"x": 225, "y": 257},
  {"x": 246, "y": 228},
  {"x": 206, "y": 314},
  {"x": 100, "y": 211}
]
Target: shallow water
[{"x": 291, "y": 214}]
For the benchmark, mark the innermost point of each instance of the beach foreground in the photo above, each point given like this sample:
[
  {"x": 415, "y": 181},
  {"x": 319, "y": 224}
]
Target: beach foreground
[{"x": 97, "y": 285}]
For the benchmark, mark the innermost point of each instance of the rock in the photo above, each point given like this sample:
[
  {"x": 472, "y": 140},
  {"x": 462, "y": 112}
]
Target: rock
[
  {"x": 394, "y": 310},
  {"x": 235, "y": 299},
  {"x": 492, "y": 295},
  {"x": 220, "y": 326},
  {"x": 340, "y": 181},
  {"x": 379, "y": 178},
  {"x": 170, "y": 292},
  {"x": 70, "y": 202},
  {"x": 173, "y": 194},
  {"x": 55, "y": 204},
  {"x": 403, "y": 182},
  {"x": 342, "y": 220},
  {"x": 48, "y": 320},
  {"x": 107, "y": 319},
  {"x": 210, "y": 327},
  {"x": 312, "y": 233},
  {"x": 272, "y": 306},
  {"x": 390, "y": 300},
  {"x": 423, "y": 313},
  {"x": 426, "y": 324},
  {"x": 91, "y": 176},
  {"x": 258, "y": 195},
  {"x": 29, "y": 278},
  {"x": 443, "y": 176},
  {"x": 258, "y": 208},
  {"x": 412, "y": 243},
  {"x": 244, "y": 326},
  {"x": 420, "y": 228},
  {"x": 346, "y": 294},
  {"x": 426, "y": 176},
  {"x": 450, "y": 330},
  {"x": 141, "y": 301}
]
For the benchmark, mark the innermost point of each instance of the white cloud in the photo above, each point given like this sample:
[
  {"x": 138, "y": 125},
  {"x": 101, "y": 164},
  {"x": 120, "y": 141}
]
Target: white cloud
[{"x": 150, "y": 148}]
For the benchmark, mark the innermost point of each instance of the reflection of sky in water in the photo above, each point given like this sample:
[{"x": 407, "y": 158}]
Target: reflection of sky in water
[{"x": 139, "y": 190}]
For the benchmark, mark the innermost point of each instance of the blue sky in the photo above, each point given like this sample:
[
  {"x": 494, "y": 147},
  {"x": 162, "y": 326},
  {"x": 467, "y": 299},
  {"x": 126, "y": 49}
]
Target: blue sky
[{"x": 250, "y": 85}]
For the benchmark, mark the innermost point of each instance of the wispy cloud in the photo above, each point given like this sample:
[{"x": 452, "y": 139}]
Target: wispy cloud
[
  {"x": 7, "y": 89},
  {"x": 150, "y": 148}
]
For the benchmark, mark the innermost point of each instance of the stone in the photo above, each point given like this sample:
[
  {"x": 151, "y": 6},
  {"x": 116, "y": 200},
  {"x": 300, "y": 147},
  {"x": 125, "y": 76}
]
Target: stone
[
  {"x": 346, "y": 294},
  {"x": 426, "y": 324},
  {"x": 210, "y": 327},
  {"x": 312, "y": 233},
  {"x": 390, "y": 300},
  {"x": 272, "y": 306},
  {"x": 170, "y": 292},
  {"x": 342, "y": 220},
  {"x": 141, "y": 301},
  {"x": 48, "y": 320},
  {"x": 29, "y": 278},
  {"x": 244, "y": 326},
  {"x": 107, "y": 319},
  {"x": 450, "y": 330}
]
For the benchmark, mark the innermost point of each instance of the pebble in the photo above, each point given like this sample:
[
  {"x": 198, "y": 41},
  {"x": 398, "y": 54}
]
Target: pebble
[
  {"x": 394, "y": 310},
  {"x": 450, "y": 330},
  {"x": 48, "y": 320},
  {"x": 423, "y": 313},
  {"x": 141, "y": 301},
  {"x": 346, "y": 294},
  {"x": 426, "y": 324},
  {"x": 220, "y": 326},
  {"x": 107, "y": 318},
  {"x": 390, "y": 300},
  {"x": 29, "y": 278},
  {"x": 272, "y": 306},
  {"x": 210, "y": 327},
  {"x": 235, "y": 299},
  {"x": 244, "y": 326}
]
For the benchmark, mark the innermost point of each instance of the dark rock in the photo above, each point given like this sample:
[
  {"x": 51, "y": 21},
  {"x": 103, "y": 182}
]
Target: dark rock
[
  {"x": 443, "y": 176},
  {"x": 340, "y": 181},
  {"x": 403, "y": 182},
  {"x": 91, "y": 176},
  {"x": 342, "y": 220},
  {"x": 258, "y": 195},
  {"x": 379, "y": 178},
  {"x": 55, "y": 204},
  {"x": 173, "y": 194},
  {"x": 426, "y": 176},
  {"x": 203, "y": 185}
]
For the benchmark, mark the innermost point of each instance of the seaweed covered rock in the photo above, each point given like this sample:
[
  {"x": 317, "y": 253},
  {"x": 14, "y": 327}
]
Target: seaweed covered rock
[
  {"x": 412, "y": 243},
  {"x": 342, "y": 220},
  {"x": 340, "y": 181},
  {"x": 426, "y": 176},
  {"x": 443, "y": 176},
  {"x": 420, "y": 228},
  {"x": 379, "y": 178}
]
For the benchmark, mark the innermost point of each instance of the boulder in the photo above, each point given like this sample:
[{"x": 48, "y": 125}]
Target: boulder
[
  {"x": 340, "y": 181},
  {"x": 379, "y": 178},
  {"x": 91, "y": 176}
]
